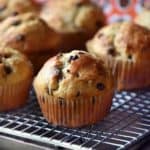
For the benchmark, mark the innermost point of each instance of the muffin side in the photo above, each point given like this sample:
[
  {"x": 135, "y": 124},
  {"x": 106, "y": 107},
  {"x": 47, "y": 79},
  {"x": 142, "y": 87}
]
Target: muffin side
[
  {"x": 15, "y": 79},
  {"x": 27, "y": 33},
  {"x": 72, "y": 86},
  {"x": 127, "y": 54},
  {"x": 15, "y": 7},
  {"x": 30, "y": 35},
  {"x": 75, "y": 21}
]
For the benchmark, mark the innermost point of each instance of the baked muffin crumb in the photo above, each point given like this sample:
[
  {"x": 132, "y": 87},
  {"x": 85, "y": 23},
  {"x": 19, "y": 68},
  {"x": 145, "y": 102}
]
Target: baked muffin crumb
[
  {"x": 124, "y": 48},
  {"x": 15, "y": 7},
  {"x": 15, "y": 79},
  {"x": 85, "y": 85}
]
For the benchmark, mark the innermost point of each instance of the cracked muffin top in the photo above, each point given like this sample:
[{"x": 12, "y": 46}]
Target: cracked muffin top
[
  {"x": 14, "y": 66},
  {"x": 74, "y": 74},
  {"x": 143, "y": 19},
  {"x": 15, "y": 7},
  {"x": 70, "y": 16},
  {"x": 27, "y": 33},
  {"x": 123, "y": 41}
]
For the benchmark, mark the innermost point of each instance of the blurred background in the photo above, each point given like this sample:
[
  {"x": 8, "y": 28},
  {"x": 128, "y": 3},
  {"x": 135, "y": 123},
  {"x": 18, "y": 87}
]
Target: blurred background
[{"x": 118, "y": 10}]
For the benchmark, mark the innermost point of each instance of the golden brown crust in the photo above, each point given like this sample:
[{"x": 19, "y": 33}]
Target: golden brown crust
[
  {"x": 103, "y": 41},
  {"x": 74, "y": 21},
  {"x": 14, "y": 7},
  {"x": 127, "y": 53},
  {"x": 132, "y": 39},
  {"x": 143, "y": 18},
  {"x": 70, "y": 16},
  {"x": 66, "y": 75},
  {"x": 72, "y": 86},
  {"x": 83, "y": 16},
  {"x": 14, "y": 67},
  {"x": 27, "y": 33},
  {"x": 15, "y": 79}
]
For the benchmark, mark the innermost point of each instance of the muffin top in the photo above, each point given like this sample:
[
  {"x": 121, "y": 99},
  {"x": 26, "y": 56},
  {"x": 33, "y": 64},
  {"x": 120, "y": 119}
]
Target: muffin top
[
  {"x": 143, "y": 19},
  {"x": 14, "y": 66},
  {"x": 72, "y": 75},
  {"x": 69, "y": 16},
  {"x": 103, "y": 41},
  {"x": 14, "y": 7},
  {"x": 27, "y": 33},
  {"x": 123, "y": 41}
]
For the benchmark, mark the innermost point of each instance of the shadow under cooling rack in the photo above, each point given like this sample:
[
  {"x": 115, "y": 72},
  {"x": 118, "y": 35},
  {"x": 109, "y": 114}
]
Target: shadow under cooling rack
[{"x": 127, "y": 123}]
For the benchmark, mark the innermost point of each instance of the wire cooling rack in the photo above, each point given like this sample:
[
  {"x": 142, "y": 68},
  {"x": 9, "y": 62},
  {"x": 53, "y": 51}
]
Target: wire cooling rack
[{"x": 127, "y": 124}]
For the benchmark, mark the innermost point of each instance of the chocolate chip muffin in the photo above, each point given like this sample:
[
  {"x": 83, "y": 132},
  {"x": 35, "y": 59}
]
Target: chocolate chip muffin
[
  {"x": 28, "y": 34},
  {"x": 75, "y": 21},
  {"x": 125, "y": 49},
  {"x": 15, "y": 7},
  {"x": 74, "y": 89},
  {"x": 143, "y": 18},
  {"x": 15, "y": 79}
]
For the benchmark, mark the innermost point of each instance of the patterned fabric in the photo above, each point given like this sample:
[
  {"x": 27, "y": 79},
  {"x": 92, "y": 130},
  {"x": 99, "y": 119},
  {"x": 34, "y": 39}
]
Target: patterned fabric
[{"x": 118, "y": 10}]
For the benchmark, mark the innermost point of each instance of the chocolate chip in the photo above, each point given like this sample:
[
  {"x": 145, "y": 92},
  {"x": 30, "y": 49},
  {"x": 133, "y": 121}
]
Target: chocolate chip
[
  {"x": 100, "y": 35},
  {"x": 68, "y": 70},
  {"x": 7, "y": 55},
  {"x": 111, "y": 51},
  {"x": 16, "y": 22},
  {"x": 93, "y": 100},
  {"x": 20, "y": 37},
  {"x": 77, "y": 75},
  {"x": 15, "y": 13},
  {"x": 61, "y": 101},
  {"x": 78, "y": 94},
  {"x": 130, "y": 56},
  {"x": 60, "y": 55},
  {"x": 72, "y": 58},
  {"x": 60, "y": 75},
  {"x": 2, "y": 7},
  {"x": 79, "y": 4},
  {"x": 7, "y": 69},
  {"x": 100, "y": 86}
]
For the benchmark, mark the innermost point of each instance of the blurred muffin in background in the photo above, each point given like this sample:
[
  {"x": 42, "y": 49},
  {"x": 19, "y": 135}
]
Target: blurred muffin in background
[
  {"x": 103, "y": 41},
  {"x": 15, "y": 7},
  {"x": 15, "y": 79},
  {"x": 143, "y": 19},
  {"x": 30, "y": 35},
  {"x": 74, "y": 89},
  {"x": 125, "y": 49},
  {"x": 75, "y": 21}
]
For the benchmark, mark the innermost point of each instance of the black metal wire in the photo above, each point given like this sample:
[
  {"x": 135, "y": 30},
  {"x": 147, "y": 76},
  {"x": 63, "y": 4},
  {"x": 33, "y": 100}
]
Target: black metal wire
[{"x": 129, "y": 108}]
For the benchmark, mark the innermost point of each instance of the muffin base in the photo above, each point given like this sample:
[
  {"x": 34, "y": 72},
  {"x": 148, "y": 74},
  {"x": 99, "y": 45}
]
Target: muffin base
[
  {"x": 75, "y": 112},
  {"x": 14, "y": 96},
  {"x": 129, "y": 75}
]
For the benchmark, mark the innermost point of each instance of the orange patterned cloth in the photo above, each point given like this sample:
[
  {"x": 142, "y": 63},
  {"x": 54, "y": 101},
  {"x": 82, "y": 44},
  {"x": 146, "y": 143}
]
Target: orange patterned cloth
[{"x": 118, "y": 10}]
